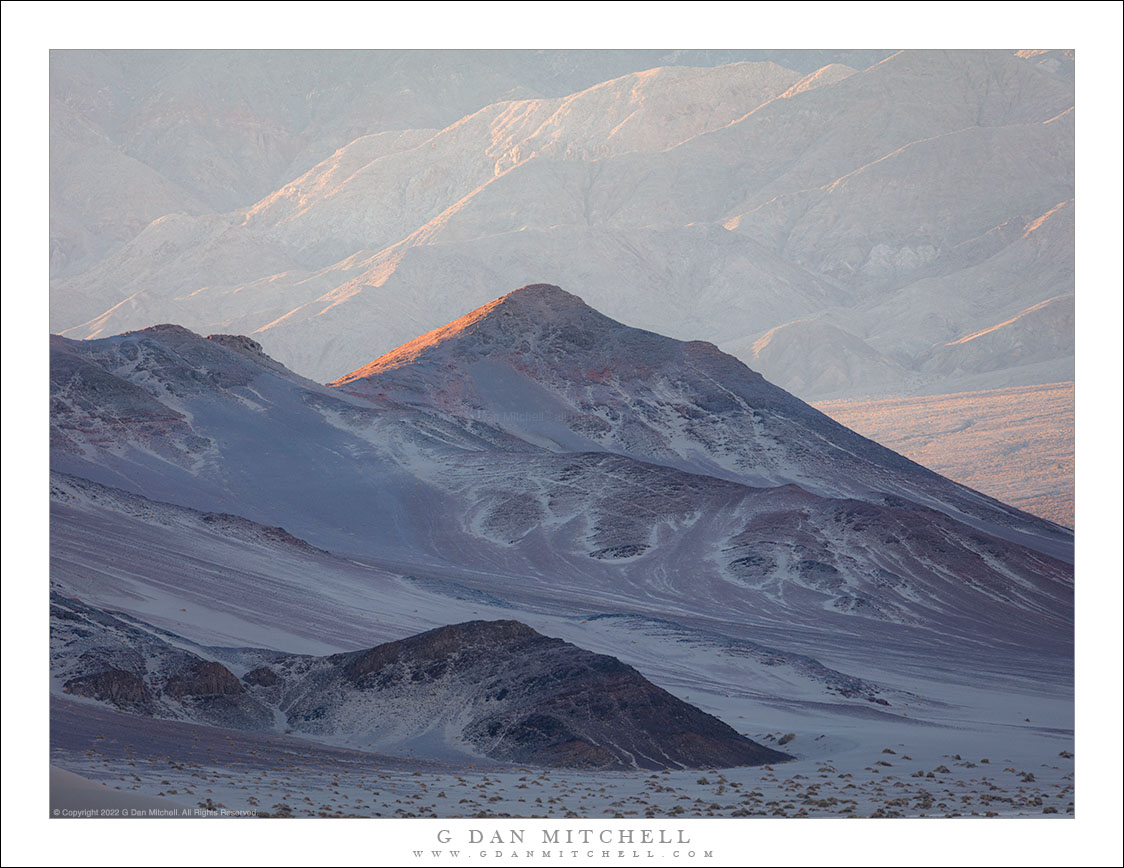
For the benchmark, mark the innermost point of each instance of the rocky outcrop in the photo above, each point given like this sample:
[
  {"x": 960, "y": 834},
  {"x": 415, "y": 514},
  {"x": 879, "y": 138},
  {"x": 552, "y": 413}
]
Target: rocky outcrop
[
  {"x": 210, "y": 692},
  {"x": 141, "y": 670},
  {"x": 118, "y": 687},
  {"x": 486, "y": 688},
  {"x": 509, "y": 693},
  {"x": 263, "y": 676},
  {"x": 204, "y": 679}
]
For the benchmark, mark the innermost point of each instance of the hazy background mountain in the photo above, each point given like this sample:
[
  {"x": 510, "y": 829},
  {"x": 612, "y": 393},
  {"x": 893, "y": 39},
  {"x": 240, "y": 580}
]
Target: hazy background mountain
[
  {"x": 138, "y": 134},
  {"x": 850, "y": 224}
]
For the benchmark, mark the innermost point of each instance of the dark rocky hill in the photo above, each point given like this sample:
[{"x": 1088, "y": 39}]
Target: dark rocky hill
[{"x": 490, "y": 688}]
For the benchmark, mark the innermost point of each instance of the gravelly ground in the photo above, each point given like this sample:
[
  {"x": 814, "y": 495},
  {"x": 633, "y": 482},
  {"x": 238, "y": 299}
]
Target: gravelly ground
[{"x": 196, "y": 766}]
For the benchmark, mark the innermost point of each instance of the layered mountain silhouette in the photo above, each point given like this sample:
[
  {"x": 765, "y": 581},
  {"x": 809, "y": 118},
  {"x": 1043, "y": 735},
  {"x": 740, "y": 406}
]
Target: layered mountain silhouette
[
  {"x": 536, "y": 436},
  {"x": 139, "y": 134},
  {"x": 908, "y": 200},
  {"x": 534, "y": 456},
  {"x": 337, "y": 527}
]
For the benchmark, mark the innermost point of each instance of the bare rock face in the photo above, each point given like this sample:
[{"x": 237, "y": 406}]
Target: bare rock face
[
  {"x": 140, "y": 670},
  {"x": 118, "y": 687},
  {"x": 204, "y": 679},
  {"x": 88, "y": 402},
  {"x": 263, "y": 676},
  {"x": 210, "y": 692},
  {"x": 518, "y": 696}
]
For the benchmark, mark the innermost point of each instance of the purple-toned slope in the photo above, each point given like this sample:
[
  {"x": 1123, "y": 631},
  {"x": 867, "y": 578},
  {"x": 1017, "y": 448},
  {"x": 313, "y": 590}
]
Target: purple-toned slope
[
  {"x": 548, "y": 368},
  {"x": 541, "y": 452}
]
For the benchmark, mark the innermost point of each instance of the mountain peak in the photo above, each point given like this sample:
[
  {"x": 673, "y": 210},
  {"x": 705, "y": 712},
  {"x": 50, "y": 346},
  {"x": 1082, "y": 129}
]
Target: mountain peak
[
  {"x": 542, "y": 293},
  {"x": 506, "y": 321},
  {"x": 540, "y": 305}
]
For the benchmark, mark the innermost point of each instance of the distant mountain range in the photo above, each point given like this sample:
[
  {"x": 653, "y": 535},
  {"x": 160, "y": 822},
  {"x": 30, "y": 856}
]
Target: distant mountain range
[{"x": 847, "y": 223}]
